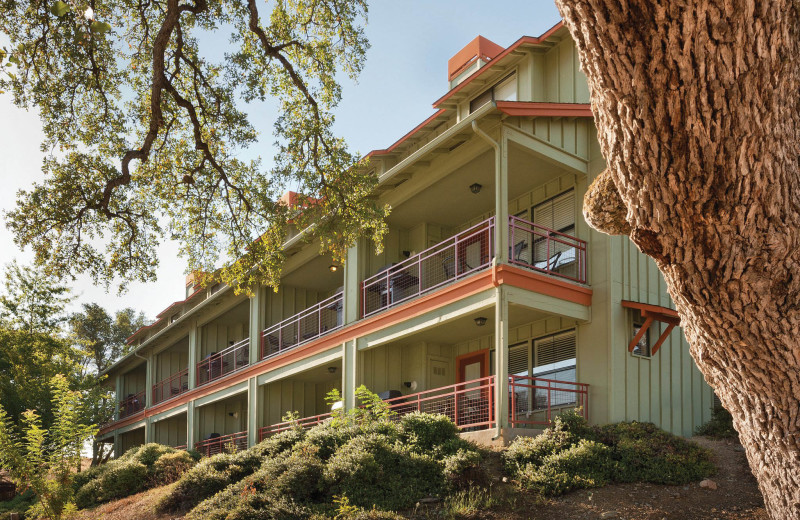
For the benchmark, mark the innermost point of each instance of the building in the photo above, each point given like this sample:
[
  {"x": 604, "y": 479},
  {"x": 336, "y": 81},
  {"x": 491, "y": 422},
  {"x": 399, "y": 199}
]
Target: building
[{"x": 489, "y": 274}]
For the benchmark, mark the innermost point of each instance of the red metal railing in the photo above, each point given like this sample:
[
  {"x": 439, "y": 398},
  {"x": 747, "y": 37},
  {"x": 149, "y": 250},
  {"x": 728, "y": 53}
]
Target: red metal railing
[
  {"x": 306, "y": 422},
  {"x": 308, "y": 325},
  {"x": 131, "y": 404},
  {"x": 181, "y": 447},
  {"x": 470, "y": 405},
  {"x": 533, "y": 401},
  {"x": 224, "y": 443},
  {"x": 224, "y": 362},
  {"x": 174, "y": 385},
  {"x": 452, "y": 259},
  {"x": 546, "y": 250}
]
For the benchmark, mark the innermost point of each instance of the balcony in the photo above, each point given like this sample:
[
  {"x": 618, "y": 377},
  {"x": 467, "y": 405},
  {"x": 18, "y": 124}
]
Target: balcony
[
  {"x": 533, "y": 402},
  {"x": 222, "y": 444},
  {"x": 547, "y": 251},
  {"x": 307, "y": 325},
  {"x": 447, "y": 261},
  {"x": 219, "y": 364},
  {"x": 131, "y": 404},
  {"x": 173, "y": 386}
]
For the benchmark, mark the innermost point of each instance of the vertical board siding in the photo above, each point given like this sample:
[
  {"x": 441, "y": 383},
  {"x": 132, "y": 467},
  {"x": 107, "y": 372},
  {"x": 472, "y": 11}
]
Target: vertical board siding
[
  {"x": 171, "y": 431},
  {"x": 216, "y": 417},
  {"x": 293, "y": 395}
]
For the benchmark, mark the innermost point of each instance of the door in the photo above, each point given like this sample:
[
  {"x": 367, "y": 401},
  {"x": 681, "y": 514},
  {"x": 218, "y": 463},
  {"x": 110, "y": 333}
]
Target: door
[
  {"x": 438, "y": 375},
  {"x": 472, "y": 406}
]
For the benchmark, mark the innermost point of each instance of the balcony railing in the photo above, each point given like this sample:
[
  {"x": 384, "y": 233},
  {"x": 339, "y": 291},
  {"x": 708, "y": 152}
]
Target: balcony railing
[
  {"x": 173, "y": 386},
  {"x": 533, "y": 401},
  {"x": 306, "y": 422},
  {"x": 222, "y": 444},
  {"x": 452, "y": 259},
  {"x": 470, "y": 405},
  {"x": 224, "y": 362},
  {"x": 545, "y": 250},
  {"x": 180, "y": 447},
  {"x": 132, "y": 404},
  {"x": 308, "y": 325}
]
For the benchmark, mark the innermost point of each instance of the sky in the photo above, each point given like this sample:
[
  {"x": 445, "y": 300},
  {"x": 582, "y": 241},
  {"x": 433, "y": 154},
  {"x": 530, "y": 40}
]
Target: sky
[{"x": 405, "y": 72}]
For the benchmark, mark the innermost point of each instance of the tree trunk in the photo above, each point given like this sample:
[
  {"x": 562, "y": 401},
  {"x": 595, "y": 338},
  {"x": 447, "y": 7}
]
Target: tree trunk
[{"x": 697, "y": 105}]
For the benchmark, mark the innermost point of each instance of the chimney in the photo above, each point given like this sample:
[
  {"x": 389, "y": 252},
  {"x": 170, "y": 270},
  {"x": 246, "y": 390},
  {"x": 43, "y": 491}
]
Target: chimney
[
  {"x": 192, "y": 282},
  {"x": 475, "y": 55}
]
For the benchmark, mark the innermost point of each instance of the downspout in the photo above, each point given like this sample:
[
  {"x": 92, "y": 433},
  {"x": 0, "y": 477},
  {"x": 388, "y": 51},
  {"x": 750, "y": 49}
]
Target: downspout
[{"x": 498, "y": 251}]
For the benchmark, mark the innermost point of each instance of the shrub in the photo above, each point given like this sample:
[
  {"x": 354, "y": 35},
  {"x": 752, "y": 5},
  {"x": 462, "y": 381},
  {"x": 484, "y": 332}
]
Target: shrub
[
  {"x": 586, "y": 464},
  {"x": 169, "y": 467},
  {"x": 372, "y": 470},
  {"x": 427, "y": 432},
  {"x": 124, "y": 478},
  {"x": 463, "y": 469},
  {"x": 533, "y": 450},
  {"x": 19, "y": 504},
  {"x": 720, "y": 426}
]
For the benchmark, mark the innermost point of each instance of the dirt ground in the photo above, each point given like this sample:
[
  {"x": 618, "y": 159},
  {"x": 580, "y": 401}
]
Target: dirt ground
[{"x": 736, "y": 497}]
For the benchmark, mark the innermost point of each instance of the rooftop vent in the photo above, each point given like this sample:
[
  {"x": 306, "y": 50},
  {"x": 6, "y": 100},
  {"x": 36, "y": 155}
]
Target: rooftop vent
[{"x": 477, "y": 53}]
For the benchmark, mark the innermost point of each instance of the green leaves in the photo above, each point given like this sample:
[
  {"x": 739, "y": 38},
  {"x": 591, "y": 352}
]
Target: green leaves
[
  {"x": 99, "y": 27},
  {"x": 59, "y": 9}
]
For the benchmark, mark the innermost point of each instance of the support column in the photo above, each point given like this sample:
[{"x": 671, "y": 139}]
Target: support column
[
  {"x": 349, "y": 356},
  {"x": 501, "y": 199},
  {"x": 148, "y": 382},
  {"x": 118, "y": 392},
  {"x": 149, "y": 429},
  {"x": 501, "y": 359},
  {"x": 191, "y": 425},
  {"x": 256, "y": 324},
  {"x": 194, "y": 351},
  {"x": 253, "y": 415},
  {"x": 352, "y": 287},
  {"x": 117, "y": 445}
]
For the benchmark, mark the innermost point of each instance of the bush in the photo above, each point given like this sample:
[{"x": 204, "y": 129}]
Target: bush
[
  {"x": 426, "y": 432},
  {"x": 463, "y": 469},
  {"x": 372, "y": 470},
  {"x": 573, "y": 455},
  {"x": 19, "y": 504},
  {"x": 139, "y": 468},
  {"x": 720, "y": 426}
]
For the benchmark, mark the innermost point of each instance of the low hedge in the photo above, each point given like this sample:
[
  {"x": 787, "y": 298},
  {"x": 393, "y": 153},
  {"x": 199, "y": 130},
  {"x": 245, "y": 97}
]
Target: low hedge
[{"x": 571, "y": 454}]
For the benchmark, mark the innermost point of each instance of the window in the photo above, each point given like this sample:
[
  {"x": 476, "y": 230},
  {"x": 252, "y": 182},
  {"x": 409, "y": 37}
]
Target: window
[
  {"x": 642, "y": 348},
  {"x": 552, "y": 357},
  {"x": 503, "y": 90},
  {"x": 549, "y": 251}
]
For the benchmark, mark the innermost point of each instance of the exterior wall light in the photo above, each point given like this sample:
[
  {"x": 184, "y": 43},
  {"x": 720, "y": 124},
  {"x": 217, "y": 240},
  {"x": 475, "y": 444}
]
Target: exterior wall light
[
  {"x": 475, "y": 188},
  {"x": 332, "y": 370},
  {"x": 480, "y": 321},
  {"x": 333, "y": 268}
]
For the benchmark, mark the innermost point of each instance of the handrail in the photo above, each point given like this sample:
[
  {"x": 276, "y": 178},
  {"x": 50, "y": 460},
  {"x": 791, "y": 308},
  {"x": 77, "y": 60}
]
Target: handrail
[
  {"x": 172, "y": 386},
  {"x": 561, "y": 251},
  {"x": 224, "y": 362},
  {"x": 305, "y": 422},
  {"x": 228, "y": 443},
  {"x": 436, "y": 266},
  {"x": 306, "y": 325},
  {"x": 535, "y": 398},
  {"x": 132, "y": 404}
]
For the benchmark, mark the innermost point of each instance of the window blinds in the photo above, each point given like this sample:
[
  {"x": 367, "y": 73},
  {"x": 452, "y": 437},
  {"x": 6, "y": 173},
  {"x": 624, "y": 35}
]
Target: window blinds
[
  {"x": 556, "y": 348},
  {"x": 557, "y": 213},
  {"x": 518, "y": 359}
]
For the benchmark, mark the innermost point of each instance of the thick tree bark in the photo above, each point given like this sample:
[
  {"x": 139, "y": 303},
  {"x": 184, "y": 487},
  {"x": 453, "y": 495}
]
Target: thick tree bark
[{"x": 697, "y": 105}]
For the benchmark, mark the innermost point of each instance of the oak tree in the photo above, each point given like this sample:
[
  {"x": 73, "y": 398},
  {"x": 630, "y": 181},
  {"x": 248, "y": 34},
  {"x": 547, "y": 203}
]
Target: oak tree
[
  {"x": 698, "y": 117},
  {"x": 143, "y": 111}
]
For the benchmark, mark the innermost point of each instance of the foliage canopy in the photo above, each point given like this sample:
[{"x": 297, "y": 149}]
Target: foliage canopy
[{"x": 146, "y": 135}]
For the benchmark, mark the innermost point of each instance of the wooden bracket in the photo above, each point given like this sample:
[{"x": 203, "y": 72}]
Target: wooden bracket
[{"x": 652, "y": 313}]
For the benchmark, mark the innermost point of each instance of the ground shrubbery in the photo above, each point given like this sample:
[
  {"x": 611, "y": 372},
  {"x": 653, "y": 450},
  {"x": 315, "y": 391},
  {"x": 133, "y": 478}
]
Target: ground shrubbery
[
  {"x": 360, "y": 465},
  {"x": 571, "y": 454},
  {"x": 139, "y": 468},
  {"x": 720, "y": 426}
]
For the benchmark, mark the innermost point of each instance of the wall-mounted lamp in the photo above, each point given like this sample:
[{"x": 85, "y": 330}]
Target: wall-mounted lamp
[
  {"x": 480, "y": 321},
  {"x": 406, "y": 253},
  {"x": 331, "y": 370},
  {"x": 475, "y": 188},
  {"x": 235, "y": 415},
  {"x": 333, "y": 268},
  {"x": 412, "y": 385}
]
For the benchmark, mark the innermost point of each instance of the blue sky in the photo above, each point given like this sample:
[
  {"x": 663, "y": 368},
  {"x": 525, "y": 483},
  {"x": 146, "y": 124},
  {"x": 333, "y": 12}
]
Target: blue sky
[{"x": 406, "y": 71}]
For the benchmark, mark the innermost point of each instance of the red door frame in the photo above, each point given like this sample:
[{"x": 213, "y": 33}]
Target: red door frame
[{"x": 481, "y": 356}]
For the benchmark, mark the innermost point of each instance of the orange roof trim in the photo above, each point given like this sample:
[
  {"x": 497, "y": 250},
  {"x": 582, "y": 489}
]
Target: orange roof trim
[
  {"x": 538, "y": 109},
  {"x": 478, "y": 49}
]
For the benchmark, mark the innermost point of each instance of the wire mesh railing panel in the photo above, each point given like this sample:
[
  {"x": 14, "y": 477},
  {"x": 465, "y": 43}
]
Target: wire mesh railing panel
[
  {"x": 132, "y": 404},
  {"x": 305, "y": 326},
  {"x": 173, "y": 386},
  {"x": 224, "y": 362},
  {"x": 546, "y": 250},
  {"x": 222, "y": 444},
  {"x": 306, "y": 422},
  {"x": 536, "y": 401},
  {"x": 447, "y": 261}
]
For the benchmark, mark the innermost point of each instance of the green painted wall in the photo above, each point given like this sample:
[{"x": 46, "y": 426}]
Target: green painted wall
[
  {"x": 291, "y": 395},
  {"x": 172, "y": 360},
  {"x": 131, "y": 439},
  {"x": 171, "y": 431},
  {"x": 223, "y": 417},
  {"x": 232, "y": 325}
]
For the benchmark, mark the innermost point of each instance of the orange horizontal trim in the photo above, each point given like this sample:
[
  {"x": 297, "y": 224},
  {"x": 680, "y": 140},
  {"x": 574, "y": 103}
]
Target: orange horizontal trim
[
  {"x": 459, "y": 290},
  {"x": 400, "y": 141},
  {"x": 544, "y": 284},
  {"x": 536, "y": 109},
  {"x": 655, "y": 309},
  {"x": 522, "y": 41}
]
